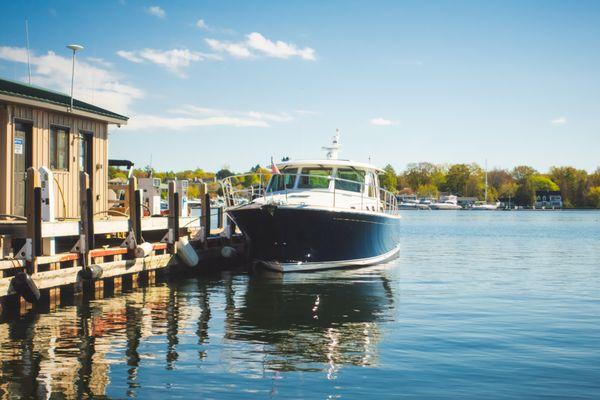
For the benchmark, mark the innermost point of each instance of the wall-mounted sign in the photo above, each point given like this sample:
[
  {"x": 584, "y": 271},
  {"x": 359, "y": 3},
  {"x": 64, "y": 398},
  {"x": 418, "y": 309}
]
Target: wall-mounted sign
[{"x": 18, "y": 143}]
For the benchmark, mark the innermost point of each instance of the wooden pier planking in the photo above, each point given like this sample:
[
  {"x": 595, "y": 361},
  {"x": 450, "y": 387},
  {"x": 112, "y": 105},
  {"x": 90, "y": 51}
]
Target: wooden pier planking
[{"x": 101, "y": 226}]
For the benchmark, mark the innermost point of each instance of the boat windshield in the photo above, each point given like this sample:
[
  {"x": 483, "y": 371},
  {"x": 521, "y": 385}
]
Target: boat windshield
[
  {"x": 282, "y": 181},
  {"x": 349, "y": 174},
  {"x": 314, "y": 178}
]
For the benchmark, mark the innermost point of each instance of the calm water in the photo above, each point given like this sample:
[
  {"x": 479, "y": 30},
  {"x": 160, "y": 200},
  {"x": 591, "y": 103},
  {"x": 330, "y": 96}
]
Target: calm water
[{"x": 479, "y": 305}]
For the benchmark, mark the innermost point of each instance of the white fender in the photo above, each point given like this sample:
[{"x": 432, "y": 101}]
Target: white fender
[
  {"x": 143, "y": 250},
  {"x": 228, "y": 252},
  {"x": 186, "y": 252}
]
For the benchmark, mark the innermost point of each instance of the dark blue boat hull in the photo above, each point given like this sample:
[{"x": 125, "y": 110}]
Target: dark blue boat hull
[{"x": 323, "y": 238}]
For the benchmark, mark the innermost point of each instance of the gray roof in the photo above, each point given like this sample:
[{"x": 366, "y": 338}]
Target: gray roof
[{"x": 32, "y": 92}]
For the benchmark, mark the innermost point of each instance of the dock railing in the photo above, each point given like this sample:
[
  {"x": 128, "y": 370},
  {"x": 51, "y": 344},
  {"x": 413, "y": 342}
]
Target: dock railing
[{"x": 244, "y": 188}]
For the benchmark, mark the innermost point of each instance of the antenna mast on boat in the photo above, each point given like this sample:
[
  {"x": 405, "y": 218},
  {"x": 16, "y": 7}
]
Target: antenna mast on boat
[{"x": 332, "y": 151}]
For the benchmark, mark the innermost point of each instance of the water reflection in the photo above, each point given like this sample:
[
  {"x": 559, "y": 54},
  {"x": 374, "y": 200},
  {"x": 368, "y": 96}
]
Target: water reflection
[
  {"x": 124, "y": 345},
  {"x": 309, "y": 321}
]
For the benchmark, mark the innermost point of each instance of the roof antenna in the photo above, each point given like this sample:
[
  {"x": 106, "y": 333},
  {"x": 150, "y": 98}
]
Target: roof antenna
[
  {"x": 75, "y": 48},
  {"x": 27, "y": 42},
  {"x": 332, "y": 151}
]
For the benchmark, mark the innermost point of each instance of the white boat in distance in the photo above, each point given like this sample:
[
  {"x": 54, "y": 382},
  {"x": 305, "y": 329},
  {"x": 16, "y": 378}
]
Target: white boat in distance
[
  {"x": 449, "y": 202},
  {"x": 484, "y": 205}
]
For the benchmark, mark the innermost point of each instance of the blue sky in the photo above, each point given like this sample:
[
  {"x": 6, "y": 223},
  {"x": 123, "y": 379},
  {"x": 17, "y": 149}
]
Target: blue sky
[{"x": 214, "y": 83}]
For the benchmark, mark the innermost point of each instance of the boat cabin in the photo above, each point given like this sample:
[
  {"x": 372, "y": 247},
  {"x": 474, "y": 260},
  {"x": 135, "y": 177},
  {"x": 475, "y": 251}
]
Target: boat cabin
[{"x": 326, "y": 183}]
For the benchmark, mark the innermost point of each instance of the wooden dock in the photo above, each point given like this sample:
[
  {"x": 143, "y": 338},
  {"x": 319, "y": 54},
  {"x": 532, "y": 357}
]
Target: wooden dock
[{"x": 46, "y": 262}]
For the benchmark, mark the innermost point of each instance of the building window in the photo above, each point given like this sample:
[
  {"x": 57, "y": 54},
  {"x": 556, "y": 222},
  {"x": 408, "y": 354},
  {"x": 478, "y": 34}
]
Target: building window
[{"x": 59, "y": 148}]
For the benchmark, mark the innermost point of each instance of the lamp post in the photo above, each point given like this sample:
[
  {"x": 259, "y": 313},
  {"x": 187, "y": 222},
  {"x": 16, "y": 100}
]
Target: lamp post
[{"x": 75, "y": 48}]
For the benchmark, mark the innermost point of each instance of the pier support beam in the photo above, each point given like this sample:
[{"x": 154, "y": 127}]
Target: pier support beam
[{"x": 205, "y": 216}]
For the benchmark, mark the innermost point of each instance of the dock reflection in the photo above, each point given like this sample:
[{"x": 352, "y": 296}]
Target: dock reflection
[
  {"x": 103, "y": 347},
  {"x": 66, "y": 352}
]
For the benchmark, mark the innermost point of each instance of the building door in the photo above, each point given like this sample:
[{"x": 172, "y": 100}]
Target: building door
[
  {"x": 86, "y": 164},
  {"x": 22, "y": 159}
]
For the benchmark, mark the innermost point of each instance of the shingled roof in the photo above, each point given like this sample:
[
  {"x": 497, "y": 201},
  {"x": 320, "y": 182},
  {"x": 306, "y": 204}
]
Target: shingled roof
[{"x": 31, "y": 92}]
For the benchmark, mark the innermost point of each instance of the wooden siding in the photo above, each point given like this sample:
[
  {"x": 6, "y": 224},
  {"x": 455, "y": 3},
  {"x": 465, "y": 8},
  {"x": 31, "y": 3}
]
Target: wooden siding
[
  {"x": 5, "y": 162},
  {"x": 42, "y": 121}
]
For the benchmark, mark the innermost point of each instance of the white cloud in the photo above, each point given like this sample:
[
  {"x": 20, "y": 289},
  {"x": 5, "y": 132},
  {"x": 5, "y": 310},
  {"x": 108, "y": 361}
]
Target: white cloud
[
  {"x": 174, "y": 60},
  {"x": 202, "y": 25},
  {"x": 139, "y": 122},
  {"x": 190, "y": 116},
  {"x": 258, "y": 45},
  {"x": 130, "y": 56},
  {"x": 278, "y": 49},
  {"x": 237, "y": 50},
  {"x": 95, "y": 82},
  {"x": 559, "y": 121},
  {"x": 100, "y": 61},
  {"x": 156, "y": 11},
  {"x": 305, "y": 112},
  {"x": 382, "y": 122}
]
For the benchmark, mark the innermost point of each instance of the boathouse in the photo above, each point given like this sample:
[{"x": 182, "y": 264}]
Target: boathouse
[{"x": 39, "y": 128}]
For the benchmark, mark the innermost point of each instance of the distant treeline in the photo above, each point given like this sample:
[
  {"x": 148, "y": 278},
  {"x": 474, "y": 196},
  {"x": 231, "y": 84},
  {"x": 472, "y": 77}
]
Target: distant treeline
[{"x": 578, "y": 188}]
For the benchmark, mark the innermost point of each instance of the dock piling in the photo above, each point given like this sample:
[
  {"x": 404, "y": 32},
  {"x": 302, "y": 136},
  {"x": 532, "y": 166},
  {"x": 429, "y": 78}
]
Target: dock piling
[{"x": 205, "y": 212}]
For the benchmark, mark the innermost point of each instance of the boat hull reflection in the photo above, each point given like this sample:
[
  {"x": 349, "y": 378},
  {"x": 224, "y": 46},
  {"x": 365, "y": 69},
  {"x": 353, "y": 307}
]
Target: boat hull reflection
[{"x": 321, "y": 318}]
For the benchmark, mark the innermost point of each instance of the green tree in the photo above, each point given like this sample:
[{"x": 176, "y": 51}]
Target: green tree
[
  {"x": 428, "y": 190},
  {"x": 193, "y": 192},
  {"x": 387, "y": 179},
  {"x": 572, "y": 183},
  {"x": 464, "y": 180},
  {"x": 224, "y": 173},
  {"x": 498, "y": 177},
  {"x": 456, "y": 179},
  {"x": 509, "y": 189},
  {"x": 521, "y": 172},
  {"x": 541, "y": 182},
  {"x": 594, "y": 178},
  {"x": 593, "y": 197},
  {"x": 525, "y": 194},
  {"x": 114, "y": 172},
  {"x": 418, "y": 174}
]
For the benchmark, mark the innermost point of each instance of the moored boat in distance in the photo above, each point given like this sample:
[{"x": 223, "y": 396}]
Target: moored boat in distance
[
  {"x": 449, "y": 202},
  {"x": 484, "y": 206},
  {"x": 316, "y": 214}
]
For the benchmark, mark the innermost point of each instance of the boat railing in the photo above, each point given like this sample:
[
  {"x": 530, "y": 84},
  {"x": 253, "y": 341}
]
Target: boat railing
[{"x": 244, "y": 188}]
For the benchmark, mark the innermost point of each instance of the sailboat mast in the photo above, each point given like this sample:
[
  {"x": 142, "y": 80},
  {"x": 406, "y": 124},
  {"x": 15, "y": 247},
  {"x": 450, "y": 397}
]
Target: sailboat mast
[{"x": 486, "y": 181}]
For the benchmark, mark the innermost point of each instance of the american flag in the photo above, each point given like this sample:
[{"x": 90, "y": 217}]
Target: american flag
[{"x": 274, "y": 168}]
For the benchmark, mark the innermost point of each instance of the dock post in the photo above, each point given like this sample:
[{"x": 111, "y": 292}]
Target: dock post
[
  {"x": 220, "y": 217},
  {"x": 33, "y": 205},
  {"x": 205, "y": 212},
  {"x": 230, "y": 228},
  {"x": 22, "y": 282},
  {"x": 135, "y": 213},
  {"x": 86, "y": 220},
  {"x": 173, "y": 234}
]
